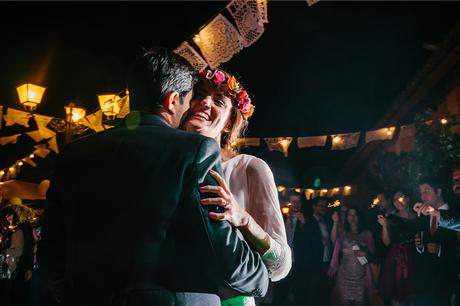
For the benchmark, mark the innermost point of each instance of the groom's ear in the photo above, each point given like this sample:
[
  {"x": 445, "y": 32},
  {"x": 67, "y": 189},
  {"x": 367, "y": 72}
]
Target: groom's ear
[{"x": 171, "y": 101}]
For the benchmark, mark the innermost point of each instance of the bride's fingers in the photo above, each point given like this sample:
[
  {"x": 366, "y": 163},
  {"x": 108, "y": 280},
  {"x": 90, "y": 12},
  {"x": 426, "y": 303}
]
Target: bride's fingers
[
  {"x": 219, "y": 180},
  {"x": 215, "y": 201},
  {"x": 216, "y": 216},
  {"x": 214, "y": 189}
]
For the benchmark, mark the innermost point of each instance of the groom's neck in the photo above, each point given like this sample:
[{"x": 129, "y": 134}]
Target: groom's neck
[{"x": 167, "y": 117}]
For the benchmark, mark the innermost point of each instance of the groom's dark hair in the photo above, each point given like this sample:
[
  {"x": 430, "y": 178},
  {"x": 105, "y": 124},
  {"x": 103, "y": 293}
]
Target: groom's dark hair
[{"x": 154, "y": 75}]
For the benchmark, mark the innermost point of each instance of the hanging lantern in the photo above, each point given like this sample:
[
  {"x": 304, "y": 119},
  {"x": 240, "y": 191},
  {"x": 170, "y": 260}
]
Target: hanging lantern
[
  {"x": 285, "y": 210},
  {"x": 74, "y": 113},
  {"x": 30, "y": 95},
  {"x": 109, "y": 105},
  {"x": 281, "y": 188}
]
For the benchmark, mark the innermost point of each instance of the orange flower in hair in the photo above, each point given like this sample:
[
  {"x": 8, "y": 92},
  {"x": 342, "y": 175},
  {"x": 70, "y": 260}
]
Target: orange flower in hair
[{"x": 244, "y": 103}]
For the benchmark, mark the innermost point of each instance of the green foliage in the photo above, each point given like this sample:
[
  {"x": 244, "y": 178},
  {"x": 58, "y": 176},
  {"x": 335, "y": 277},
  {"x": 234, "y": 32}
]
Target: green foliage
[{"x": 436, "y": 152}]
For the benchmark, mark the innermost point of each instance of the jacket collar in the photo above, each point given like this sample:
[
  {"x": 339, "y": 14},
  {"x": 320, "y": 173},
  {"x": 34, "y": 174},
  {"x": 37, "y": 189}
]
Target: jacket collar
[{"x": 136, "y": 118}]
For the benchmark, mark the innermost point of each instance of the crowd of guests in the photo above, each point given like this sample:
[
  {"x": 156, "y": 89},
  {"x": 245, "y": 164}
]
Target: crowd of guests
[
  {"x": 346, "y": 255},
  {"x": 19, "y": 283},
  {"x": 381, "y": 254}
]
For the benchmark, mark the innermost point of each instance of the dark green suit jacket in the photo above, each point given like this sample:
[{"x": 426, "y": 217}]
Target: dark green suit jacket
[{"x": 123, "y": 208}]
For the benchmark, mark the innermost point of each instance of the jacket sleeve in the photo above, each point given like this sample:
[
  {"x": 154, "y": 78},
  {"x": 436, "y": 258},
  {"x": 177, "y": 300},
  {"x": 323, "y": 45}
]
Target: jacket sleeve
[
  {"x": 51, "y": 253},
  {"x": 450, "y": 220},
  {"x": 241, "y": 269}
]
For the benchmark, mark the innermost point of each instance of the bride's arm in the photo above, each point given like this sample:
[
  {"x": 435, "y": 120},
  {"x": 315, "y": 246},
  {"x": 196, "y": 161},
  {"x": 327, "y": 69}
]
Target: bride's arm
[
  {"x": 264, "y": 208},
  {"x": 262, "y": 224}
]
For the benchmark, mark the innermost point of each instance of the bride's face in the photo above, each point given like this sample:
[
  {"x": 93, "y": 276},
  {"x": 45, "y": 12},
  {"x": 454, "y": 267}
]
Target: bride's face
[{"x": 209, "y": 112}]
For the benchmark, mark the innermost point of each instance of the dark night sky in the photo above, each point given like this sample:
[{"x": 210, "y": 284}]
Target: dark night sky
[{"x": 333, "y": 67}]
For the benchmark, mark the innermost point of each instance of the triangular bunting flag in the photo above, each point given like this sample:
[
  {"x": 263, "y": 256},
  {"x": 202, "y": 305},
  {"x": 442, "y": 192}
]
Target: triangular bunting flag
[
  {"x": 345, "y": 141},
  {"x": 52, "y": 144},
  {"x": 247, "y": 142},
  {"x": 246, "y": 17},
  {"x": 407, "y": 131},
  {"x": 29, "y": 161},
  {"x": 312, "y": 141},
  {"x": 262, "y": 11},
  {"x": 41, "y": 150},
  {"x": 380, "y": 134},
  {"x": 9, "y": 139},
  {"x": 43, "y": 132},
  {"x": 279, "y": 144},
  {"x": 14, "y": 116},
  {"x": 187, "y": 52},
  {"x": 124, "y": 106},
  {"x": 94, "y": 121},
  {"x": 219, "y": 41},
  {"x": 1, "y": 116}
]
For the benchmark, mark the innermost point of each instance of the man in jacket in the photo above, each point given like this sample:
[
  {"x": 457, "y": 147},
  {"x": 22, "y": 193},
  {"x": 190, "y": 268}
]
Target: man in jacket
[{"x": 124, "y": 224}]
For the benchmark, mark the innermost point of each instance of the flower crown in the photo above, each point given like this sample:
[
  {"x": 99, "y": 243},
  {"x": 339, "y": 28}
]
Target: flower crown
[{"x": 235, "y": 90}]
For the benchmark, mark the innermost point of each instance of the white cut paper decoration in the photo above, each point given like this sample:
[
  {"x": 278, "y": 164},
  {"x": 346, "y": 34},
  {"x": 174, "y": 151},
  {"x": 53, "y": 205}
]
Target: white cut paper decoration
[
  {"x": 1, "y": 116},
  {"x": 52, "y": 144},
  {"x": 124, "y": 107},
  {"x": 187, "y": 52},
  {"x": 248, "y": 142},
  {"x": 14, "y": 116},
  {"x": 345, "y": 141},
  {"x": 312, "y": 141},
  {"x": 245, "y": 13},
  {"x": 279, "y": 144},
  {"x": 29, "y": 161},
  {"x": 380, "y": 134},
  {"x": 219, "y": 41},
  {"x": 43, "y": 132},
  {"x": 262, "y": 11},
  {"x": 41, "y": 150},
  {"x": 9, "y": 139},
  {"x": 94, "y": 121}
]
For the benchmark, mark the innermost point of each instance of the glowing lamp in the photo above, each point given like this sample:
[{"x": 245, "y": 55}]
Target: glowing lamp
[
  {"x": 30, "y": 95},
  {"x": 11, "y": 169},
  {"x": 20, "y": 163},
  {"x": 337, "y": 139},
  {"x": 336, "y": 189},
  {"x": 298, "y": 190},
  {"x": 444, "y": 121},
  {"x": 75, "y": 113},
  {"x": 390, "y": 131},
  {"x": 285, "y": 210},
  {"x": 31, "y": 155},
  {"x": 197, "y": 39},
  {"x": 347, "y": 190},
  {"x": 109, "y": 105},
  {"x": 281, "y": 188}
]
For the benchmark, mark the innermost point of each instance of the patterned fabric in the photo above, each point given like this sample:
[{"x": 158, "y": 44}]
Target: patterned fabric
[
  {"x": 245, "y": 13},
  {"x": 219, "y": 41},
  {"x": 187, "y": 52}
]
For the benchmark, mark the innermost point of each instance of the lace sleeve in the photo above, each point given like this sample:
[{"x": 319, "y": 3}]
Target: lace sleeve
[{"x": 263, "y": 206}]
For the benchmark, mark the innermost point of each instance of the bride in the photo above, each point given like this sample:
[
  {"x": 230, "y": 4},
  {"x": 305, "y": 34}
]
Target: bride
[{"x": 220, "y": 109}]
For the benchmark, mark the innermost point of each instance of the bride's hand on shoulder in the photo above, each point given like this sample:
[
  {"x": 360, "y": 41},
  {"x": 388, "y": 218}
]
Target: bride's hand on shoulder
[{"x": 233, "y": 212}]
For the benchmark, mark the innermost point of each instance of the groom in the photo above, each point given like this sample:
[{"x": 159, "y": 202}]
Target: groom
[{"x": 124, "y": 224}]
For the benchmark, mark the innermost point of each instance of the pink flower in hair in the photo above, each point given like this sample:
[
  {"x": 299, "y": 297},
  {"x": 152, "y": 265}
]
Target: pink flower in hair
[{"x": 218, "y": 77}]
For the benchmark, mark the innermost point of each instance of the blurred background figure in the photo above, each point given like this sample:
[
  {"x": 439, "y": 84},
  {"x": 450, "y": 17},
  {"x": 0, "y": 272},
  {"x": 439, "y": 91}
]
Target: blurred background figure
[{"x": 350, "y": 261}]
